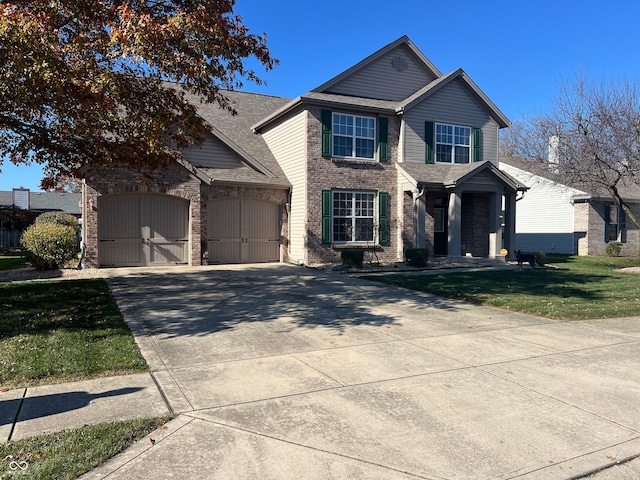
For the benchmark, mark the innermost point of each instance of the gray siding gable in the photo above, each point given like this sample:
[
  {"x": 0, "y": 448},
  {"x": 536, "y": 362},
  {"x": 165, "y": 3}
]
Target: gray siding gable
[
  {"x": 453, "y": 103},
  {"x": 393, "y": 76}
]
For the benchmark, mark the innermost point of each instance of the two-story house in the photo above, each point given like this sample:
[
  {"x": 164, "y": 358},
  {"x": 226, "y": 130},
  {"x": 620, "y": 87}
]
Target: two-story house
[{"x": 390, "y": 154}]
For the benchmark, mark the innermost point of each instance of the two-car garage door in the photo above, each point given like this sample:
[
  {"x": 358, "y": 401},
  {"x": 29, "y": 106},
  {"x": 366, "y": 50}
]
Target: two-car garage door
[{"x": 153, "y": 229}]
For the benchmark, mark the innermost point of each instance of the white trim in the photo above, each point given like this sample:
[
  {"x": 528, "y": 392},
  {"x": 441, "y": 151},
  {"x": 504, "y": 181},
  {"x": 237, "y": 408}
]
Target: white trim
[
  {"x": 354, "y": 137},
  {"x": 353, "y": 217}
]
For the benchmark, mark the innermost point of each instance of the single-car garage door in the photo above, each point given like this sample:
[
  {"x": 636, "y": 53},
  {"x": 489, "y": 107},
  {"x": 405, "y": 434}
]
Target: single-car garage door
[
  {"x": 143, "y": 230},
  {"x": 243, "y": 231}
]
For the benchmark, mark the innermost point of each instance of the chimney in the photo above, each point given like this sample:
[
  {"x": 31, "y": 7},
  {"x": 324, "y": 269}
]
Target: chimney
[
  {"x": 21, "y": 198},
  {"x": 554, "y": 156}
]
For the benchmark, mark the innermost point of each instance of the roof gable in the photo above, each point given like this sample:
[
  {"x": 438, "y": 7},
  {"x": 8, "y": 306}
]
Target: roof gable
[
  {"x": 451, "y": 176},
  {"x": 241, "y": 155},
  {"x": 461, "y": 78},
  {"x": 392, "y": 73}
]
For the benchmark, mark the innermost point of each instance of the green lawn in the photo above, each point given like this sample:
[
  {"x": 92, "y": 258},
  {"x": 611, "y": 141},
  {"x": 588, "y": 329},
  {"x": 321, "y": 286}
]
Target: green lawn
[
  {"x": 61, "y": 331},
  {"x": 580, "y": 288},
  {"x": 11, "y": 262},
  {"x": 69, "y": 454}
]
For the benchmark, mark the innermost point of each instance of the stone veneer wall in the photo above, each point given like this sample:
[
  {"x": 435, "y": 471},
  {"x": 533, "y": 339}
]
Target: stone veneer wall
[{"x": 326, "y": 174}]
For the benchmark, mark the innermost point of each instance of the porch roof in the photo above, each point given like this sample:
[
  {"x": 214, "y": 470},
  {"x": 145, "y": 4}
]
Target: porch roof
[{"x": 451, "y": 176}]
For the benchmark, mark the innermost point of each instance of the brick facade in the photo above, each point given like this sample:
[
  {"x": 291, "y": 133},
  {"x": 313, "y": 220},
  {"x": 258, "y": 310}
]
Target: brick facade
[
  {"x": 176, "y": 181},
  {"x": 339, "y": 174},
  {"x": 589, "y": 228}
]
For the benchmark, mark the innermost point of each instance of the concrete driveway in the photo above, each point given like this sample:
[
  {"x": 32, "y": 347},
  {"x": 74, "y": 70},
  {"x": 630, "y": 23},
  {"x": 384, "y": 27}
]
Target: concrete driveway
[{"x": 282, "y": 372}]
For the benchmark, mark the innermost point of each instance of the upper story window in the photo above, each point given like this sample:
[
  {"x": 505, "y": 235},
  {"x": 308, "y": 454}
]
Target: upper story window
[
  {"x": 453, "y": 143},
  {"x": 353, "y": 136}
]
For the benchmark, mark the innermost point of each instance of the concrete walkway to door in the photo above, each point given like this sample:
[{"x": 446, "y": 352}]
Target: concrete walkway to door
[{"x": 282, "y": 372}]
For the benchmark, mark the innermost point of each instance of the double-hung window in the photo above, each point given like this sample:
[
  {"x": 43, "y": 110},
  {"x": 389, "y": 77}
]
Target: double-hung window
[
  {"x": 453, "y": 143},
  {"x": 353, "y": 216},
  {"x": 353, "y": 136}
]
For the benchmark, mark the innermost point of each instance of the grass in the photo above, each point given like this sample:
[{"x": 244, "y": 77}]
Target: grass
[
  {"x": 69, "y": 454},
  {"x": 11, "y": 262},
  {"x": 581, "y": 288},
  {"x": 62, "y": 331}
]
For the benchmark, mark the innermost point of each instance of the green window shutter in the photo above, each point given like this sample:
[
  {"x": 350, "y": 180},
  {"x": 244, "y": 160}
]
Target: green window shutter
[
  {"x": 383, "y": 218},
  {"x": 384, "y": 134},
  {"x": 428, "y": 142},
  {"x": 477, "y": 144},
  {"x": 326, "y": 216},
  {"x": 326, "y": 119},
  {"x": 622, "y": 224},
  {"x": 607, "y": 219}
]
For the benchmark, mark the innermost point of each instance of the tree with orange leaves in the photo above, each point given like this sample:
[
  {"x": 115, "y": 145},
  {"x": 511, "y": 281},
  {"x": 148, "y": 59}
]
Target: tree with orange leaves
[{"x": 81, "y": 81}]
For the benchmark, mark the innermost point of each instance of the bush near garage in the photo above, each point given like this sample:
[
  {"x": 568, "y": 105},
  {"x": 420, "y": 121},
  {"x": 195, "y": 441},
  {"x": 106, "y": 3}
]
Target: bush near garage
[{"x": 51, "y": 241}]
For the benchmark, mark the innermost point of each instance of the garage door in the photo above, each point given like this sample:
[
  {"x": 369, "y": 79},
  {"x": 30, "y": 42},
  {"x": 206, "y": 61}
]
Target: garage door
[
  {"x": 243, "y": 231},
  {"x": 143, "y": 230}
]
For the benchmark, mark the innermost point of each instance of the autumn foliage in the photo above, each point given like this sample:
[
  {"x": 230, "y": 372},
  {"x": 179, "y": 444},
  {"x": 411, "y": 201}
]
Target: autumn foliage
[{"x": 81, "y": 81}]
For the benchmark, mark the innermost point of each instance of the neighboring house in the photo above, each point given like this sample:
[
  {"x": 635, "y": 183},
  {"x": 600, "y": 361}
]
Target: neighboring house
[
  {"x": 388, "y": 155},
  {"x": 557, "y": 218},
  {"x": 12, "y": 226}
]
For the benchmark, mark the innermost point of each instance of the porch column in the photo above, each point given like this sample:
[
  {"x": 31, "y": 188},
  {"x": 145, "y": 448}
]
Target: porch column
[
  {"x": 419, "y": 211},
  {"x": 495, "y": 225},
  {"x": 510, "y": 225},
  {"x": 454, "y": 245}
]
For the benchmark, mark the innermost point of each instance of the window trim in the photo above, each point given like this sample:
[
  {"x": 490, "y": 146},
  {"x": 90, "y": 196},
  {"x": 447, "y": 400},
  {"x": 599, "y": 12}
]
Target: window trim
[
  {"x": 354, "y": 217},
  {"x": 469, "y": 146},
  {"x": 354, "y": 137}
]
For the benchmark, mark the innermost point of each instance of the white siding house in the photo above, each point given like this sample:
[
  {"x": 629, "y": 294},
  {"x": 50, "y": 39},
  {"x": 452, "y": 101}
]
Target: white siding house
[{"x": 545, "y": 214}]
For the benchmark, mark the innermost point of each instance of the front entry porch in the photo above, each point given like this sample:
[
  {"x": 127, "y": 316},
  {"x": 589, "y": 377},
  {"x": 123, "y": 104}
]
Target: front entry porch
[{"x": 471, "y": 214}]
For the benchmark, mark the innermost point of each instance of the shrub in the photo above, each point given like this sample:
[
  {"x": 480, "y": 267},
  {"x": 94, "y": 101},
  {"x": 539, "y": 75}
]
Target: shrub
[
  {"x": 58, "y": 218},
  {"x": 417, "y": 257},
  {"x": 352, "y": 257},
  {"x": 613, "y": 250},
  {"x": 541, "y": 258},
  {"x": 48, "y": 245}
]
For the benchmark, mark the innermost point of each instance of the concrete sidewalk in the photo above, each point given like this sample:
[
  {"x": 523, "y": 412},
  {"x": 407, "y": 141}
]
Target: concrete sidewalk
[
  {"x": 28, "y": 412},
  {"x": 283, "y": 372}
]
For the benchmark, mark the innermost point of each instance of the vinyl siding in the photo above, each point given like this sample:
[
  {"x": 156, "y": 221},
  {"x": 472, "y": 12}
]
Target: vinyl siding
[
  {"x": 287, "y": 141},
  {"x": 455, "y": 105},
  {"x": 213, "y": 154},
  {"x": 544, "y": 216},
  {"x": 380, "y": 80}
]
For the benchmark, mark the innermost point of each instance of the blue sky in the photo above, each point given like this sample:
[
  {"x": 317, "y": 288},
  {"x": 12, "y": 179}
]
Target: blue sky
[{"x": 516, "y": 52}]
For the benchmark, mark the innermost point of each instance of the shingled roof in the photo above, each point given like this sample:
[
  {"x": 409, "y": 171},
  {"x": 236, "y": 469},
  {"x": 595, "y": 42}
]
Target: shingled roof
[
  {"x": 47, "y": 202},
  {"x": 235, "y": 131},
  {"x": 628, "y": 190}
]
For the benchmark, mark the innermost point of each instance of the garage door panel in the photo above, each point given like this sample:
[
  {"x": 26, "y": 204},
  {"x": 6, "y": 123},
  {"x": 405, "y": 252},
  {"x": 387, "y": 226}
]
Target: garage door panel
[
  {"x": 119, "y": 217},
  {"x": 123, "y": 253},
  {"x": 167, "y": 218},
  {"x": 223, "y": 219},
  {"x": 243, "y": 230},
  {"x": 255, "y": 219},
  {"x": 225, "y": 251},
  {"x": 143, "y": 229},
  {"x": 168, "y": 251},
  {"x": 263, "y": 250}
]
